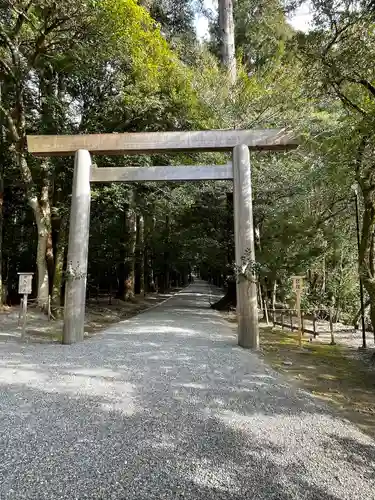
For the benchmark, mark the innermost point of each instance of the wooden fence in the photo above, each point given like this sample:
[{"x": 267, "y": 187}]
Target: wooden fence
[{"x": 288, "y": 318}]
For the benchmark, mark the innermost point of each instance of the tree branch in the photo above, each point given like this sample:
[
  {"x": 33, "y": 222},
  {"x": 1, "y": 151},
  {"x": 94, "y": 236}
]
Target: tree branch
[
  {"x": 22, "y": 16},
  {"x": 336, "y": 36},
  {"x": 7, "y": 69},
  {"x": 21, "y": 160},
  {"x": 368, "y": 86},
  {"x": 11, "y": 46},
  {"x": 42, "y": 37},
  {"x": 359, "y": 157},
  {"x": 332, "y": 215},
  {"x": 17, "y": 57},
  {"x": 11, "y": 124},
  {"x": 345, "y": 100}
]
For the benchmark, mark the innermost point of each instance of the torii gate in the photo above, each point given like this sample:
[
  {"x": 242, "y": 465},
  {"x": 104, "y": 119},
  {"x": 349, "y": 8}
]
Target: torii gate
[{"x": 239, "y": 141}]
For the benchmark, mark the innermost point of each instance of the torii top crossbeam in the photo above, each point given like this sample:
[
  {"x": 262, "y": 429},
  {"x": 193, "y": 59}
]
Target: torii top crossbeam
[{"x": 157, "y": 142}]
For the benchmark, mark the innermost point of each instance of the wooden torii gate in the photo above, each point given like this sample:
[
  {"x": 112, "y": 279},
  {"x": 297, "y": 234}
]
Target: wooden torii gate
[{"x": 238, "y": 141}]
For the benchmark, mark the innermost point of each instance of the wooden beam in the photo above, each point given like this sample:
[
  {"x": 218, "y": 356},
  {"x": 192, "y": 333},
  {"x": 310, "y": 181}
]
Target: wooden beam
[
  {"x": 169, "y": 173},
  {"x": 156, "y": 142}
]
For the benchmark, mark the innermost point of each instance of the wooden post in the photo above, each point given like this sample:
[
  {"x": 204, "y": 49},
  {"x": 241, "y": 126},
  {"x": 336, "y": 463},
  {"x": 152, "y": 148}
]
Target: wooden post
[
  {"x": 282, "y": 319},
  {"x": 267, "y": 311},
  {"x": 260, "y": 298},
  {"x": 331, "y": 327},
  {"x": 298, "y": 308},
  {"x": 24, "y": 308},
  {"x": 24, "y": 288},
  {"x": 298, "y": 287},
  {"x": 49, "y": 308},
  {"x": 20, "y": 312},
  {"x": 314, "y": 324},
  {"x": 291, "y": 319},
  {"x": 75, "y": 288},
  {"x": 302, "y": 323},
  {"x": 247, "y": 311}
]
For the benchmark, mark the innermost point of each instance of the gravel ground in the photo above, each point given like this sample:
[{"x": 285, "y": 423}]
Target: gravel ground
[
  {"x": 98, "y": 314},
  {"x": 166, "y": 406}
]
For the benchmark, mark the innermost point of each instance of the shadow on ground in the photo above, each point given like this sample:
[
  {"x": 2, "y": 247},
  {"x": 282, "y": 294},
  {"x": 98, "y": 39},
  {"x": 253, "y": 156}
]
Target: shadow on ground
[{"x": 161, "y": 407}]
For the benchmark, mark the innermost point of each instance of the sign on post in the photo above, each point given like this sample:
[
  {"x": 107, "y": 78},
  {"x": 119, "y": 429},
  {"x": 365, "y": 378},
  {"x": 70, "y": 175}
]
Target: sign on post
[
  {"x": 25, "y": 283},
  {"x": 298, "y": 284},
  {"x": 298, "y": 288}
]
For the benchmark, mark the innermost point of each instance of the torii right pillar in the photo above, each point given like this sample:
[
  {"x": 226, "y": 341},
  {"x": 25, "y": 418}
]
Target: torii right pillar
[{"x": 247, "y": 306}]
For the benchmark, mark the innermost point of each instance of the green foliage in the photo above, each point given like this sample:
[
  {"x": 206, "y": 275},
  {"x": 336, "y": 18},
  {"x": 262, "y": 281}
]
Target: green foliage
[
  {"x": 261, "y": 32},
  {"x": 123, "y": 65},
  {"x": 134, "y": 34}
]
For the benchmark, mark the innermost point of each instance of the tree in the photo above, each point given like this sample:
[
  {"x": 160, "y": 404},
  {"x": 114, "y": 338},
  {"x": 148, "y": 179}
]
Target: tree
[
  {"x": 261, "y": 32},
  {"x": 49, "y": 59},
  {"x": 226, "y": 23},
  {"x": 338, "y": 54},
  {"x": 127, "y": 71}
]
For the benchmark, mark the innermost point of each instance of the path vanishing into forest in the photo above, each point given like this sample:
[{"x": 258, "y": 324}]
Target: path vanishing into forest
[{"x": 167, "y": 406}]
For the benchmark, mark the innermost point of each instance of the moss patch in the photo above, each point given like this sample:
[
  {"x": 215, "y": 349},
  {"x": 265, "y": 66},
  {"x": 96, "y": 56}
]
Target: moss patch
[{"x": 335, "y": 374}]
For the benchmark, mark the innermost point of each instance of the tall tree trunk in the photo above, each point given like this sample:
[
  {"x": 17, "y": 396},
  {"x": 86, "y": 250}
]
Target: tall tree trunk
[
  {"x": 226, "y": 24},
  {"x": 149, "y": 256},
  {"x": 274, "y": 290},
  {"x": 45, "y": 239},
  {"x": 43, "y": 223},
  {"x": 260, "y": 299},
  {"x": 41, "y": 262},
  {"x": 1, "y": 233},
  {"x": 2, "y": 140},
  {"x": 366, "y": 253},
  {"x": 140, "y": 275},
  {"x": 167, "y": 255},
  {"x": 41, "y": 209},
  {"x": 131, "y": 225},
  {"x": 121, "y": 268},
  {"x": 48, "y": 90},
  {"x": 264, "y": 295},
  {"x": 365, "y": 177},
  {"x": 230, "y": 298},
  {"x": 59, "y": 268},
  {"x": 50, "y": 259},
  {"x": 42, "y": 214},
  {"x": 229, "y": 233}
]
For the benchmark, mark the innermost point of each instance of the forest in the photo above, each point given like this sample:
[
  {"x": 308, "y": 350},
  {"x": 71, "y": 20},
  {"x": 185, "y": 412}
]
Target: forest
[{"x": 111, "y": 66}]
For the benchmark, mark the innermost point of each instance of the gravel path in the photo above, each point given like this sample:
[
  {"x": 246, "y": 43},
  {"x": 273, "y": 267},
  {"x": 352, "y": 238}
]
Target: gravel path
[{"x": 166, "y": 406}]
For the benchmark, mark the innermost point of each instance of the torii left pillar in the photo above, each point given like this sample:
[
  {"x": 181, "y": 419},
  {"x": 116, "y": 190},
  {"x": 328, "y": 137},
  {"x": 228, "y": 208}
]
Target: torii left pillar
[
  {"x": 75, "y": 287},
  {"x": 247, "y": 307}
]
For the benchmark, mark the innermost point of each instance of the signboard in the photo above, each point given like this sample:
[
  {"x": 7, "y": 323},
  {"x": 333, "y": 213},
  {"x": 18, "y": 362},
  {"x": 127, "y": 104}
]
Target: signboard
[
  {"x": 298, "y": 283},
  {"x": 25, "y": 281}
]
